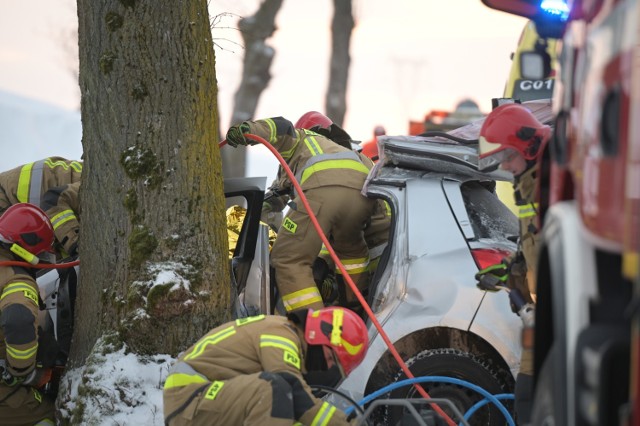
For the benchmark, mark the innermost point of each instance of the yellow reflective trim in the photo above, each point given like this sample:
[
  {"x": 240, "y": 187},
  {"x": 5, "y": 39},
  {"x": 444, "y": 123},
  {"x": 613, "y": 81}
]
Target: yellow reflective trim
[
  {"x": 312, "y": 145},
  {"x": 324, "y": 250},
  {"x": 528, "y": 210},
  {"x": 23, "y": 183},
  {"x": 373, "y": 265},
  {"x": 351, "y": 349},
  {"x": 387, "y": 208},
  {"x": 354, "y": 266},
  {"x": 24, "y": 254},
  {"x": 333, "y": 164},
  {"x": 631, "y": 265},
  {"x": 53, "y": 164},
  {"x": 273, "y": 136},
  {"x": 336, "y": 331},
  {"x": 210, "y": 340},
  {"x": 213, "y": 390},
  {"x": 301, "y": 298},
  {"x": 77, "y": 166},
  {"x": 181, "y": 379},
  {"x": 324, "y": 415},
  {"x": 270, "y": 340},
  {"x": 243, "y": 321},
  {"x": 16, "y": 287},
  {"x": 62, "y": 217},
  {"x": 38, "y": 397},
  {"x": 22, "y": 354}
]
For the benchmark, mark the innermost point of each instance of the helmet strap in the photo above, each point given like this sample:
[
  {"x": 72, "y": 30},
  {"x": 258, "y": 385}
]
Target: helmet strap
[
  {"x": 299, "y": 318},
  {"x": 328, "y": 377},
  {"x": 314, "y": 359}
]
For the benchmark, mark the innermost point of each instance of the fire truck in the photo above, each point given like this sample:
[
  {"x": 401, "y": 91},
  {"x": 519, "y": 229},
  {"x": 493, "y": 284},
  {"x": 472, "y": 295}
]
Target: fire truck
[
  {"x": 587, "y": 326},
  {"x": 466, "y": 111}
]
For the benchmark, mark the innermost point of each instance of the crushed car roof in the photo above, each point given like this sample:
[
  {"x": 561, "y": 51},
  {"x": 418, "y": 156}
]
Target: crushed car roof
[{"x": 454, "y": 154}]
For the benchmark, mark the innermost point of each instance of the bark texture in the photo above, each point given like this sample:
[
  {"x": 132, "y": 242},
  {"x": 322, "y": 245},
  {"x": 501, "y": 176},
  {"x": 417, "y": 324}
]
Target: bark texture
[{"x": 152, "y": 189}]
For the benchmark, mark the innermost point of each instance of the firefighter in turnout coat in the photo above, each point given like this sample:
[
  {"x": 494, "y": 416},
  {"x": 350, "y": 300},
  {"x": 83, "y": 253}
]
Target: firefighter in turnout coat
[
  {"x": 25, "y": 234},
  {"x": 332, "y": 178},
  {"x": 258, "y": 370},
  {"x": 512, "y": 138},
  {"x": 51, "y": 184}
]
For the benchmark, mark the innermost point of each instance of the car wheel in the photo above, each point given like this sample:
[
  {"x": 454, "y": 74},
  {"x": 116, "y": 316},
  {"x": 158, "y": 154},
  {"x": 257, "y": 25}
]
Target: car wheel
[{"x": 456, "y": 364}]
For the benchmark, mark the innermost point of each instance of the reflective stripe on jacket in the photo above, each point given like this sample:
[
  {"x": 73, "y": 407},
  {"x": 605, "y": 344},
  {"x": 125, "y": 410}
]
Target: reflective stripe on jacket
[
  {"x": 314, "y": 159},
  {"x": 242, "y": 347},
  {"x": 28, "y": 183}
]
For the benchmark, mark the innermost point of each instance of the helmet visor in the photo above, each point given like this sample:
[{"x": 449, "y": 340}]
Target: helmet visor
[{"x": 493, "y": 161}]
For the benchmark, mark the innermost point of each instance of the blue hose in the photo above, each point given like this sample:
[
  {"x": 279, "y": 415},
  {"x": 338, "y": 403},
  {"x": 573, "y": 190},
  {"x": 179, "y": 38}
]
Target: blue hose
[
  {"x": 443, "y": 379},
  {"x": 471, "y": 411}
]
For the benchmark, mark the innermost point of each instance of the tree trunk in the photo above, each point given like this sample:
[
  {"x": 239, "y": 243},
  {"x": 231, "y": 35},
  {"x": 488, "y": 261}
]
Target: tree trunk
[
  {"x": 255, "y": 76},
  {"x": 154, "y": 247},
  {"x": 341, "y": 28}
]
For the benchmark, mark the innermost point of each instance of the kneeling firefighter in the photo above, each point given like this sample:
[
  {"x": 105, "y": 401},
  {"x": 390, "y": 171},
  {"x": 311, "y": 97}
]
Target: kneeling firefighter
[{"x": 258, "y": 370}]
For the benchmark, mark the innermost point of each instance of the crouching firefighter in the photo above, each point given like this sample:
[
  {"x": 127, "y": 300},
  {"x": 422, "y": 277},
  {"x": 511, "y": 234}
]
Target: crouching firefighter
[
  {"x": 26, "y": 235},
  {"x": 331, "y": 177},
  {"x": 258, "y": 370},
  {"x": 52, "y": 184}
]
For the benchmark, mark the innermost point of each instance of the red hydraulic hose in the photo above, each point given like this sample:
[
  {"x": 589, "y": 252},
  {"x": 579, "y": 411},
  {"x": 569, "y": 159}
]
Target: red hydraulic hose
[
  {"x": 345, "y": 274},
  {"x": 40, "y": 265}
]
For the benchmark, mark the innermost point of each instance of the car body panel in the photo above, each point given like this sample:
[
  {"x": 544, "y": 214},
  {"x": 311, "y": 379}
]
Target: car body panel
[{"x": 428, "y": 281}]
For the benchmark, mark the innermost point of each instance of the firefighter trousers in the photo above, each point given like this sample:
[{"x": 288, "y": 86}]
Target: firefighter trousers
[
  {"x": 24, "y": 405},
  {"x": 342, "y": 213},
  {"x": 254, "y": 399}
]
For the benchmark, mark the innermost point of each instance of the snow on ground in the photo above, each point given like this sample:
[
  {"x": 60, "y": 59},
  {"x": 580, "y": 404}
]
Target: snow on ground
[{"x": 117, "y": 388}]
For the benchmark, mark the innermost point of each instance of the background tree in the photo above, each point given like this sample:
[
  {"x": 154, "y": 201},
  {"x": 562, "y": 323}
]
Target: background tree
[
  {"x": 341, "y": 29},
  {"x": 152, "y": 193},
  {"x": 258, "y": 57}
]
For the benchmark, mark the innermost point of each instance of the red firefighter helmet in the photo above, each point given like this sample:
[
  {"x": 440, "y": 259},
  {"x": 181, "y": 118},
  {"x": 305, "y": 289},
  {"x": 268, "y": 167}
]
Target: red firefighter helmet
[
  {"x": 342, "y": 331},
  {"x": 312, "y": 119},
  {"x": 27, "y": 230},
  {"x": 509, "y": 128}
]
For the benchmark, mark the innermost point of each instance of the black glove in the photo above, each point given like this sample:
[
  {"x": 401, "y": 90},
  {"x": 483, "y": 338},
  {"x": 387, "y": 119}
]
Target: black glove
[
  {"x": 235, "y": 135},
  {"x": 493, "y": 277}
]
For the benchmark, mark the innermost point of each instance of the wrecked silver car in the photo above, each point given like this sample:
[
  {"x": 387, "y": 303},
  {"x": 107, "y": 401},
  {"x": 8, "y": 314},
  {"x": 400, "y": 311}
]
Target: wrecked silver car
[{"x": 447, "y": 222}]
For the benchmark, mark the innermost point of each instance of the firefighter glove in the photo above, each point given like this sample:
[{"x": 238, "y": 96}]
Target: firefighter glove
[
  {"x": 235, "y": 135},
  {"x": 493, "y": 277}
]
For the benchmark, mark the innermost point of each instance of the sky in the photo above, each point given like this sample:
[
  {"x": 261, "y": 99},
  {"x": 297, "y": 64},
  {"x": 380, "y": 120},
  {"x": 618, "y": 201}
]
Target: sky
[{"x": 408, "y": 57}]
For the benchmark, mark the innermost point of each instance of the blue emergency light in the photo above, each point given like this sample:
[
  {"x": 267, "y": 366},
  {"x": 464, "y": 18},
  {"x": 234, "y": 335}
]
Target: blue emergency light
[{"x": 555, "y": 8}]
